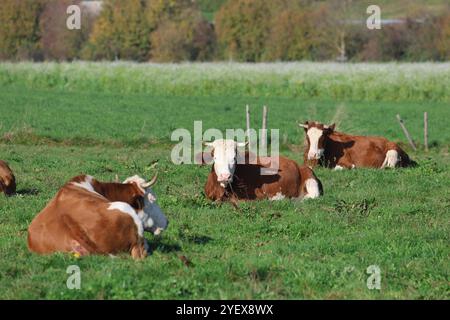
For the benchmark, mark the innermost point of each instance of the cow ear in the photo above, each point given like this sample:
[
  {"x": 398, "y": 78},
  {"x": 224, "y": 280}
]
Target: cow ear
[
  {"x": 208, "y": 144},
  {"x": 242, "y": 144},
  {"x": 203, "y": 158},
  {"x": 303, "y": 125},
  {"x": 331, "y": 127}
]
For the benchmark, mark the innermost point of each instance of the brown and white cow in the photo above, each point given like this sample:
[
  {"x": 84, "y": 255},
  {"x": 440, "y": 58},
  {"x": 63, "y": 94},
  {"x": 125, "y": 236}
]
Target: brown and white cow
[
  {"x": 231, "y": 180},
  {"x": 7, "y": 179},
  {"x": 90, "y": 217},
  {"x": 338, "y": 150}
]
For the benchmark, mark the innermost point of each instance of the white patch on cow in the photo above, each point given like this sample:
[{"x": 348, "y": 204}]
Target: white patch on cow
[
  {"x": 277, "y": 196},
  {"x": 86, "y": 184},
  {"x": 126, "y": 208},
  {"x": 391, "y": 159},
  {"x": 314, "y": 135},
  {"x": 312, "y": 189},
  {"x": 338, "y": 167},
  {"x": 353, "y": 166},
  {"x": 151, "y": 197}
]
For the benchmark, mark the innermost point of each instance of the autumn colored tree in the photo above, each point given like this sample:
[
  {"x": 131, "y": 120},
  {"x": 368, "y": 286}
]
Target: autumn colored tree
[
  {"x": 186, "y": 37},
  {"x": 57, "y": 41},
  {"x": 292, "y": 36},
  {"x": 120, "y": 32},
  {"x": 243, "y": 27},
  {"x": 19, "y": 29}
]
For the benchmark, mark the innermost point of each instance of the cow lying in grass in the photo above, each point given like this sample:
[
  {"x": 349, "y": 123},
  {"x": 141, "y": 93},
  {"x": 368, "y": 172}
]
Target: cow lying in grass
[
  {"x": 90, "y": 217},
  {"x": 338, "y": 150},
  {"x": 230, "y": 180},
  {"x": 7, "y": 179}
]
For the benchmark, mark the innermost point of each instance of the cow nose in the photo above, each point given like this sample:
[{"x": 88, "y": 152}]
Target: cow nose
[
  {"x": 312, "y": 156},
  {"x": 224, "y": 177}
]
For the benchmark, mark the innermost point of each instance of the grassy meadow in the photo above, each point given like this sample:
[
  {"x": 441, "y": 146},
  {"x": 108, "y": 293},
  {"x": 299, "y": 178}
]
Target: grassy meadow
[{"x": 61, "y": 120}]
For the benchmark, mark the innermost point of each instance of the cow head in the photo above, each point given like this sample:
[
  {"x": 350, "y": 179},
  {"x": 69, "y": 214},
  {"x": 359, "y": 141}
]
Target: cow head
[
  {"x": 151, "y": 215},
  {"x": 224, "y": 153},
  {"x": 316, "y": 134},
  {"x": 7, "y": 180}
]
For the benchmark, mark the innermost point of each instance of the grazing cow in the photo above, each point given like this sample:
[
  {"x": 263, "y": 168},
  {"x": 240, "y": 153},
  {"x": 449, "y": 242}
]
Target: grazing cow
[
  {"x": 90, "y": 217},
  {"x": 230, "y": 180},
  {"x": 7, "y": 179},
  {"x": 338, "y": 150}
]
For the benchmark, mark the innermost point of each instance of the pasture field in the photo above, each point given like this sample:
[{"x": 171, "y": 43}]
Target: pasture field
[{"x": 53, "y": 128}]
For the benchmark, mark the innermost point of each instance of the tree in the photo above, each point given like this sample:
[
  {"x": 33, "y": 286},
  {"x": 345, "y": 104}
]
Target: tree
[
  {"x": 120, "y": 32},
  {"x": 57, "y": 41},
  {"x": 292, "y": 36},
  {"x": 243, "y": 27},
  {"x": 19, "y": 29},
  {"x": 187, "y": 37}
]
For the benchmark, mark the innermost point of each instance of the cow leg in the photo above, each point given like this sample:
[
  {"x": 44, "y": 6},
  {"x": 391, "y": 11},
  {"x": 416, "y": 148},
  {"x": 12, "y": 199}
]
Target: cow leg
[
  {"x": 391, "y": 159},
  {"x": 78, "y": 249},
  {"x": 139, "y": 251},
  {"x": 312, "y": 189}
]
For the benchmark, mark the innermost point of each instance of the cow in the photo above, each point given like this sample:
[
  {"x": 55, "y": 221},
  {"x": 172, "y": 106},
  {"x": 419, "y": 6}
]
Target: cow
[
  {"x": 7, "y": 179},
  {"x": 328, "y": 148},
  {"x": 90, "y": 217},
  {"x": 232, "y": 180}
]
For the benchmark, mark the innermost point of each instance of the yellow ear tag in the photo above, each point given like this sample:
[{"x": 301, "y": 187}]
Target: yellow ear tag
[{"x": 76, "y": 255}]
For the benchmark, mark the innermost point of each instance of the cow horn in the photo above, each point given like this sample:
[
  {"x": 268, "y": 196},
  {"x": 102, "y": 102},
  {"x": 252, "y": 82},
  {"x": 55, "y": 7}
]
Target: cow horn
[
  {"x": 151, "y": 182},
  {"x": 116, "y": 179},
  {"x": 208, "y": 144},
  {"x": 303, "y": 125}
]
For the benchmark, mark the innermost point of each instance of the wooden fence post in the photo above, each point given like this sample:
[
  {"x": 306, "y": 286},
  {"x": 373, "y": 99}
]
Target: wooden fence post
[
  {"x": 264, "y": 128},
  {"x": 425, "y": 130},
  {"x": 405, "y": 131},
  {"x": 247, "y": 116}
]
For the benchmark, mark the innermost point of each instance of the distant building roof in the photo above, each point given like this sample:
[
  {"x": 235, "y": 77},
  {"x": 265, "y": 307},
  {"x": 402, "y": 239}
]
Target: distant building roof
[{"x": 93, "y": 7}]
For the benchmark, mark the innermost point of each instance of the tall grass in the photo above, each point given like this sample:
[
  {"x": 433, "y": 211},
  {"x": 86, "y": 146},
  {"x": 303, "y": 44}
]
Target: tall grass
[{"x": 364, "y": 81}]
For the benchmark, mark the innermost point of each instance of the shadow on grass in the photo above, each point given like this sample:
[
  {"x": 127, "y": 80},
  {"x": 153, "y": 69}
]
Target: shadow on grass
[{"x": 28, "y": 192}]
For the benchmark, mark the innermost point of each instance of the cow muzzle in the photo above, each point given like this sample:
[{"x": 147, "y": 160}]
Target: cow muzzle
[
  {"x": 315, "y": 155},
  {"x": 224, "y": 179}
]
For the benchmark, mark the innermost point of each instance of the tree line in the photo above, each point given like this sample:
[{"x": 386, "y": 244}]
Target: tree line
[{"x": 242, "y": 30}]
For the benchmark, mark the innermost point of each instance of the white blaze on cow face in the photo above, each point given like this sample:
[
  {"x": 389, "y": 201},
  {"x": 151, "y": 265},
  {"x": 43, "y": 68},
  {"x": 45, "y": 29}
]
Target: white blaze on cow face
[
  {"x": 314, "y": 135},
  {"x": 224, "y": 155}
]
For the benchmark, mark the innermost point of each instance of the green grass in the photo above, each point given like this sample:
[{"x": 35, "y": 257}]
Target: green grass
[
  {"x": 304, "y": 80},
  {"x": 396, "y": 219}
]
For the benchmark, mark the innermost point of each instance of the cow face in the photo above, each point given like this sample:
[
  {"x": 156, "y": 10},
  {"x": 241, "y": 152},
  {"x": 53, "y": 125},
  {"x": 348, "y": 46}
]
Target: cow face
[
  {"x": 151, "y": 215},
  {"x": 224, "y": 154},
  {"x": 316, "y": 134}
]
